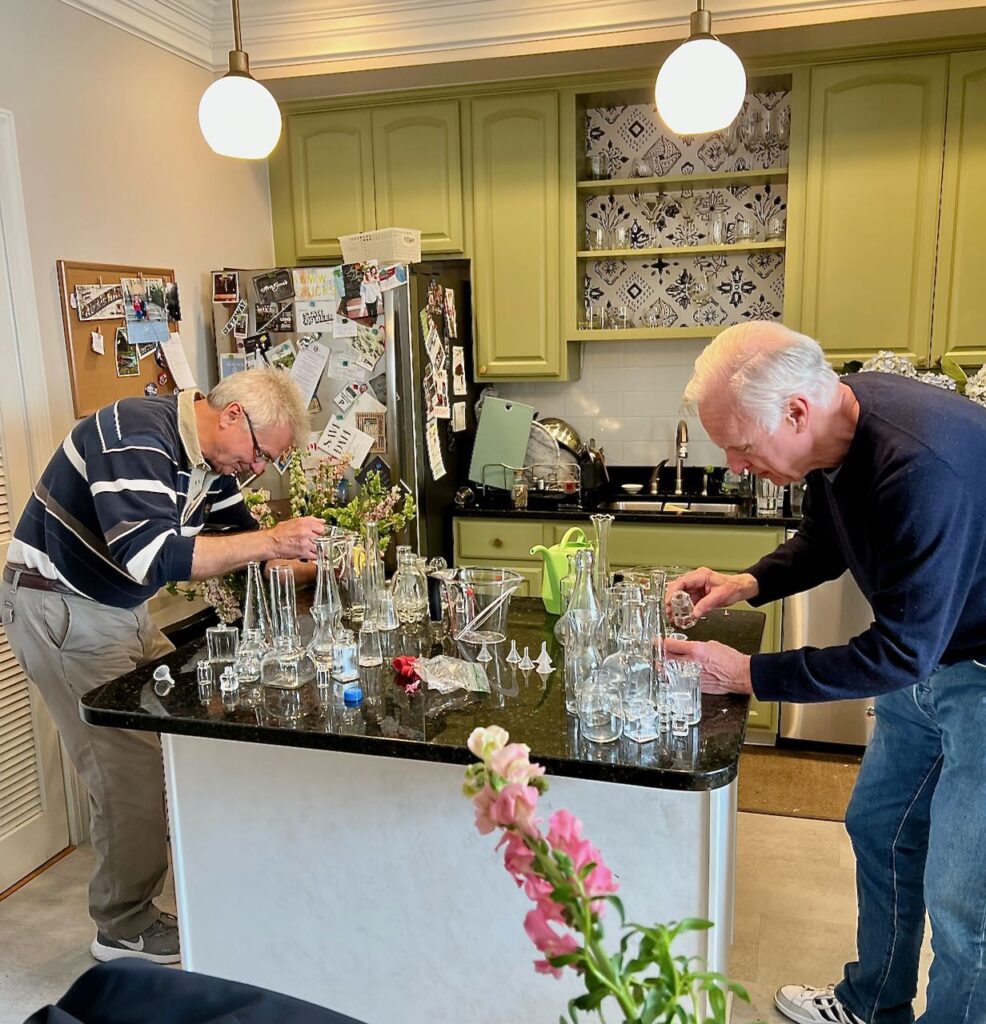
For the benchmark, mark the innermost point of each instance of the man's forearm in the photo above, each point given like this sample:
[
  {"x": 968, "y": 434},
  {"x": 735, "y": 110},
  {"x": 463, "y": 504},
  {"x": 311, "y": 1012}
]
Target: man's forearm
[{"x": 214, "y": 556}]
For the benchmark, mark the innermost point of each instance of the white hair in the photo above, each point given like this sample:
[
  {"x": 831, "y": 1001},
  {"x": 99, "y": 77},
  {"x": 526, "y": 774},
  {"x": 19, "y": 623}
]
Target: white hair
[
  {"x": 762, "y": 366},
  {"x": 270, "y": 397}
]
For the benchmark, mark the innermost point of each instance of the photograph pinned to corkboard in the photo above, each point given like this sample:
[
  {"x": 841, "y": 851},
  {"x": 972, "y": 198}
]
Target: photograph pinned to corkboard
[{"x": 126, "y": 306}]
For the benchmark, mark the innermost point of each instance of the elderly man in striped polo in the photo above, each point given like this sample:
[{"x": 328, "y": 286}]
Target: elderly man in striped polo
[{"x": 118, "y": 513}]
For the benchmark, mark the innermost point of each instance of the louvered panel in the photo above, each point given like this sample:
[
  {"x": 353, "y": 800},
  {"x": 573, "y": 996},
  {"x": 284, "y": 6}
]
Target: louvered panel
[
  {"x": 20, "y": 784},
  {"x": 4, "y": 510}
]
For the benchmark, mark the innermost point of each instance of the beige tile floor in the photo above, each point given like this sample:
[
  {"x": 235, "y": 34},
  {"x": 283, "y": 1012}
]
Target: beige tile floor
[{"x": 795, "y": 918}]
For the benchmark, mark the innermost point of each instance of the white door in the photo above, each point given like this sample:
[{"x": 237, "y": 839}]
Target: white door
[{"x": 33, "y": 815}]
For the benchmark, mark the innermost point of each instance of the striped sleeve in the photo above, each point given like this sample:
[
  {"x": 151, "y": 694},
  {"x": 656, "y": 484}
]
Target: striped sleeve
[
  {"x": 133, "y": 483},
  {"x": 227, "y": 509}
]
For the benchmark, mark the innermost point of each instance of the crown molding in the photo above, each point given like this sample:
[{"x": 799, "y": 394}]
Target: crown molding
[{"x": 290, "y": 38}]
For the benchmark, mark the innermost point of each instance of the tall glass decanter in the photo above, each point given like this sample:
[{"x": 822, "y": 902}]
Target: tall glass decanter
[
  {"x": 601, "y": 578},
  {"x": 255, "y": 635},
  {"x": 286, "y": 666},
  {"x": 585, "y": 623},
  {"x": 327, "y": 606}
]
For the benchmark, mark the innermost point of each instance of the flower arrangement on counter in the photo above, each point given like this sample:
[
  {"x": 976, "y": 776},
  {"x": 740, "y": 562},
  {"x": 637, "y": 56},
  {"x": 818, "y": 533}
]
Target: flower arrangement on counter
[
  {"x": 319, "y": 490},
  {"x": 948, "y": 374},
  {"x": 565, "y": 878}
]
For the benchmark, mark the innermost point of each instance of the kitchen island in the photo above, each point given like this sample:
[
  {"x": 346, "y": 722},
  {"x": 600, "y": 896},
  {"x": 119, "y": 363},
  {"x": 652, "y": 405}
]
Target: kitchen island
[{"x": 338, "y": 862}]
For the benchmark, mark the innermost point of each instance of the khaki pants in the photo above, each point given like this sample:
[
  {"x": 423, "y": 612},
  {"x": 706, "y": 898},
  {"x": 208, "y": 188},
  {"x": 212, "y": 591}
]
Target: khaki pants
[{"x": 67, "y": 646}]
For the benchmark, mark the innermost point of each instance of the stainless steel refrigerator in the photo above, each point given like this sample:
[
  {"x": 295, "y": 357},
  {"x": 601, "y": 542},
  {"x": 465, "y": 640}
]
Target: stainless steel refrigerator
[{"x": 399, "y": 383}]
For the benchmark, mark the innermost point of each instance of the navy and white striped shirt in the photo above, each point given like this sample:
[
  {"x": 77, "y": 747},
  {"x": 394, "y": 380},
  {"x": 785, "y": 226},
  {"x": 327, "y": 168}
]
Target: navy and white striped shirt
[{"x": 111, "y": 515}]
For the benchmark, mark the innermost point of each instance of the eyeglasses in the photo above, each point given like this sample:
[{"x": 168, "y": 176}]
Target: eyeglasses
[{"x": 261, "y": 455}]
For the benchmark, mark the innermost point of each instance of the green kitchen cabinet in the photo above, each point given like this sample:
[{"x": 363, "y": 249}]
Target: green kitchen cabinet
[
  {"x": 330, "y": 170},
  {"x": 516, "y": 236},
  {"x": 957, "y": 330},
  {"x": 343, "y": 171},
  {"x": 874, "y": 166}
]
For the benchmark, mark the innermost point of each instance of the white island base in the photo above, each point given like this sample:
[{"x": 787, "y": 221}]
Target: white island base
[{"x": 359, "y": 883}]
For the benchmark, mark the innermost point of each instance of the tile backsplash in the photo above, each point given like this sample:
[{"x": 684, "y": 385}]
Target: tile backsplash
[{"x": 628, "y": 399}]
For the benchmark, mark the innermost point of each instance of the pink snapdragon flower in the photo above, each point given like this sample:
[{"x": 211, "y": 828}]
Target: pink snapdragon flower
[
  {"x": 513, "y": 763},
  {"x": 485, "y": 742},
  {"x": 565, "y": 834},
  {"x": 548, "y": 941},
  {"x": 514, "y": 807}
]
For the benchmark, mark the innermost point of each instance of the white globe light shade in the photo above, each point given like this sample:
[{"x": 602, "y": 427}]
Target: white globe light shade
[
  {"x": 239, "y": 118},
  {"x": 700, "y": 87}
]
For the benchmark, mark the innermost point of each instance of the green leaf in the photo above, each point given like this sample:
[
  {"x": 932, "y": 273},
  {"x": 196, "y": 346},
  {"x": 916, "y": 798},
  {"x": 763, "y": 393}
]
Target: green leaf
[
  {"x": 952, "y": 369},
  {"x": 618, "y": 903}
]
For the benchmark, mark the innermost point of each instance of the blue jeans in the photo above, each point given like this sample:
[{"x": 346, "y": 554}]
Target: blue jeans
[{"x": 917, "y": 820}]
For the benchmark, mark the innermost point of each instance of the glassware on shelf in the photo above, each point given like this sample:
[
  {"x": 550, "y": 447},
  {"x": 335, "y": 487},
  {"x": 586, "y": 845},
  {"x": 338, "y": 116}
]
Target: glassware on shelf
[
  {"x": 731, "y": 137},
  {"x": 642, "y": 167},
  {"x": 600, "y": 707},
  {"x": 782, "y": 127},
  {"x": 621, "y": 237},
  {"x": 585, "y": 622},
  {"x": 598, "y": 166},
  {"x": 749, "y": 126},
  {"x": 717, "y": 228},
  {"x": 653, "y": 209},
  {"x": 518, "y": 491},
  {"x": 744, "y": 230},
  {"x": 596, "y": 238},
  {"x": 410, "y": 587},
  {"x": 702, "y": 288},
  {"x": 775, "y": 228}
]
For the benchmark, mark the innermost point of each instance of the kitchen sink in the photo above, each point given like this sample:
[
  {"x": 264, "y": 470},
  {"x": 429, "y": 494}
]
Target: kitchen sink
[{"x": 673, "y": 505}]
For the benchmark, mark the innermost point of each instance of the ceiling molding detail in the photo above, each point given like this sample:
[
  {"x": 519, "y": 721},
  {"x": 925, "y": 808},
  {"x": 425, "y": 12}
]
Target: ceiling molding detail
[{"x": 287, "y": 38}]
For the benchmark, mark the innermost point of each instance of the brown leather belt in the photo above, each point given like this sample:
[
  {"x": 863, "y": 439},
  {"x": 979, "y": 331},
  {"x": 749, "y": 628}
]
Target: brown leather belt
[{"x": 21, "y": 576}]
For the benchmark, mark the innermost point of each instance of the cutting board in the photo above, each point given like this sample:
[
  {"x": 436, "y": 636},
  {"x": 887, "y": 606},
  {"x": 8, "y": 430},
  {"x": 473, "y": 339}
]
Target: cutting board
[{"x": 501, "y": 437}]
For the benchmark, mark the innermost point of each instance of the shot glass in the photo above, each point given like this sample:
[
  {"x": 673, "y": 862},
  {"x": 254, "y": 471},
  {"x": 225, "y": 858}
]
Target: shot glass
[
  {"x": 684, "y": 692},
  {"x": 222, "y": 643}
]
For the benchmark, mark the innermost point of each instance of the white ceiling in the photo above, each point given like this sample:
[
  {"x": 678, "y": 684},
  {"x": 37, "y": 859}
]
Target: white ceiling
[{"x": 291, "y": 38}]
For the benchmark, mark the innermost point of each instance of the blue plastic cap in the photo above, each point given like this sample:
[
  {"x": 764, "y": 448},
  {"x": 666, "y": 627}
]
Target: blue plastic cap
[{"x": 352, "y": 696}]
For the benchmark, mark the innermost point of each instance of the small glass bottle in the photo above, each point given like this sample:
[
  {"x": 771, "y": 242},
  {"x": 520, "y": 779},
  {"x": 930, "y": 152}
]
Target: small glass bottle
[
  {"x": 410, "y": 587},
  {"x": 518, "y": 492}
]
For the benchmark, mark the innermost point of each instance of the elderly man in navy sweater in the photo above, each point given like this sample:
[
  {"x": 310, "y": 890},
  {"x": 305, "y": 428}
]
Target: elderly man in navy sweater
[
  {"x": 896, "y": 496},
  {"x": 116, "y": 515}
]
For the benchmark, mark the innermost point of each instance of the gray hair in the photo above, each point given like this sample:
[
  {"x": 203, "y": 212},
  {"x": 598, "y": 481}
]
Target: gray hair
[
  {"x": 270, "y": 397},
  {"x": 762, "y": 366}
]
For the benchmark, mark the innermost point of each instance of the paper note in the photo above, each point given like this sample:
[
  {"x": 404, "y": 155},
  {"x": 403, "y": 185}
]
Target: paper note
[
  {"x": 316, "y": 315},
  {"x": 308, "y": 366},
  {"x": 349, "y": 394},
  {"x": 434, "y": 346},
  {"x": 459, "y": 386},
  {"x": 313, "y": 283},
  {"x": 237, "y": 320},
  {"x": 343, "y": 366},
  {"x": 435, "y": 460},
  {"x": 458, "y": 416},
  {"x": 98, "y": 301},
  {"x": 451, "y": 328},
  {"x": 97, "y": 342},
  {"x": 282, "y": 355},
  {"x": 340, "y": 438},
  {"x": 174, "y": 353},
  {"x": 368, "y": 345},
  {"x": 343, "y": 327}
]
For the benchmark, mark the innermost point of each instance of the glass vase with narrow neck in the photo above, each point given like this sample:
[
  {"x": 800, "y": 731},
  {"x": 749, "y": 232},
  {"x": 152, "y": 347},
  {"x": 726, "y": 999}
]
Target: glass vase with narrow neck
[
  {"x": 350, "y": 580},
  {"x": 601, "y": 579},
  {"x": 372, "y": 574},
  {"x": 327, "y": 606},
  {"x": 585, "y": 623},
  {"x": 255, "y": 637},
  {"x": 410, "y": 586},
  {"x": 286, "y": 666}
]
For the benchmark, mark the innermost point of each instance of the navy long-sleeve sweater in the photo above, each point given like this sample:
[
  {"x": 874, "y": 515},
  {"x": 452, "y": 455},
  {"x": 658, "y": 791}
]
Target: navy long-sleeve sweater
[{"x": 905, "y": 513}]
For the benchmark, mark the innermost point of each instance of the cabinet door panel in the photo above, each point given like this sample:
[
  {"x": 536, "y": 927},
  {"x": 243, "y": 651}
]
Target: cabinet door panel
[
  {"x": 417, "y": 172},
  {"x": 958, "y": 330},
  {"x": 871, "y": 219},
  {"x": 331, "y": 179},
  {"x": 516, "y": 271}
]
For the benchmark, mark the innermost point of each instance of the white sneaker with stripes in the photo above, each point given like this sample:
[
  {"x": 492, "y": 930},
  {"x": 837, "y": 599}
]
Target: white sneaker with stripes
[{"x": 808, "y": 1005}]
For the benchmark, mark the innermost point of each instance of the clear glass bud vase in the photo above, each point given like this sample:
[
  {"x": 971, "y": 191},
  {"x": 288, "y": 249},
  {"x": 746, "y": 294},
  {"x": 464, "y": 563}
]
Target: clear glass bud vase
[
  {"x": 327, "y": 606},
  {"x": 601, "y": 578},
  {"x": 585, "y": 623}
]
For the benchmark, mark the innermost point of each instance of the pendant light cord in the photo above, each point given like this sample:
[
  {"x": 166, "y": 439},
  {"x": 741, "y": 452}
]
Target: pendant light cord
[{"x": 237, "y": 42}]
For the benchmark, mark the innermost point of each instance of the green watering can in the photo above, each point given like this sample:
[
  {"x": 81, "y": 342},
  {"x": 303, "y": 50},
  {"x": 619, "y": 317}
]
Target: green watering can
[{"x": 556, "y": 566}]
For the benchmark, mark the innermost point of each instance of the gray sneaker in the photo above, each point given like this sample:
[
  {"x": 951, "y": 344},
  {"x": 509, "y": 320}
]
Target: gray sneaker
[{"x": 158, "y": 942}]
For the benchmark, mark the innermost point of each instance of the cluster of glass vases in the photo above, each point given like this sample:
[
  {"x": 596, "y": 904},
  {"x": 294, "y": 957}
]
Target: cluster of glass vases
[{"x": 617, "y": 678}]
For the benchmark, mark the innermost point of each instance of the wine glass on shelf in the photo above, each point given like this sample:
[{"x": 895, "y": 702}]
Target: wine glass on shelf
[
  {"x": 731, "y": 137},
  {"x": 782, "y": 127},
  {"x": 653, "y": 208},
  {"x": 749, "y": 126}
]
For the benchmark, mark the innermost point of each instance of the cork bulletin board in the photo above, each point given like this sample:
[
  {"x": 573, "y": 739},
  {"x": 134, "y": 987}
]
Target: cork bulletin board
[{"x": 94, "y": 378}]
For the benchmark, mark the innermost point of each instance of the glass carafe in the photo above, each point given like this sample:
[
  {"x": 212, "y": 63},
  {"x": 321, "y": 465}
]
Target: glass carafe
[
  {"x": 327, "y": 606},
  {"x": 601, "y": 579},
  {"x": 410, "y": 587},
  {"x": 255, "y": 636},
  {"x": 585, "y": 623},
  {"x": 286, "y": 666},
  {"x": 634, "y": 671}
]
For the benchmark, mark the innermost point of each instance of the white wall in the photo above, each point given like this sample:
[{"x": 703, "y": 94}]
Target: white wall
[
  {"x": 116, "y": 171},
  {"x": 628, "y": 399}
]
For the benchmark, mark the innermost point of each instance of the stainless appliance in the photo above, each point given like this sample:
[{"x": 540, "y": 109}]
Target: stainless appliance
[
  {"x": 826, "y": 616},
  {"x": 397, "y": 382}
]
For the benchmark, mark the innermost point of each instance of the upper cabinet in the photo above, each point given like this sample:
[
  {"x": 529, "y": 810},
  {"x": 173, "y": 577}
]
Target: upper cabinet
[
  {"x": 957, "y": 329},
  {"x": 516, "y": 233},
  {"x": 337, "y": 172},
  {"x": 874, "y": 166}
]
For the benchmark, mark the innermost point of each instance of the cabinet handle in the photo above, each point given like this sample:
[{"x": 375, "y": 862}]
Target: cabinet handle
[
  {"x": 482, "y": 370},
  {"x": 497, "y": 543}
]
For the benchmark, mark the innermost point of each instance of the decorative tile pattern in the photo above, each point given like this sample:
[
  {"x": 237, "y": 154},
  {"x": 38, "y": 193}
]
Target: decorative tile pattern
[{"x": 661, "y": 290}]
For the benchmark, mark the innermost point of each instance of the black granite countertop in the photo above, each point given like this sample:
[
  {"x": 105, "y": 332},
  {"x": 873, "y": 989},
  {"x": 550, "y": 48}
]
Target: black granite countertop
[
  {"x": 582, "y": 514},
  {"x": 432, "y": 726}
]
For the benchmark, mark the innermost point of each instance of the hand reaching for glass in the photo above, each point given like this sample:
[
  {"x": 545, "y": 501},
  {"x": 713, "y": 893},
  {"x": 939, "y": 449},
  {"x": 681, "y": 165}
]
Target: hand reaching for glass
[{"x": 709, "y": 589}]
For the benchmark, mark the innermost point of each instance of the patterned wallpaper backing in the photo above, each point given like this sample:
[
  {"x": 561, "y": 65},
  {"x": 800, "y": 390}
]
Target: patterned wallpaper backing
[{"x": 744, "y": 285}]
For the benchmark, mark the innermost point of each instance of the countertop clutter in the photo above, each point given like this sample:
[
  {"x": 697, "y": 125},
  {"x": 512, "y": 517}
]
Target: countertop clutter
[{"x": 429, "y": 726}]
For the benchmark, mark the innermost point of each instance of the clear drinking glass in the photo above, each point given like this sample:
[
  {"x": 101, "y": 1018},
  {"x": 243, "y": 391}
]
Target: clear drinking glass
[
  {"x": 600, "y": 707},
  {"x": 744, "y": 229},
  {"x": 598, "y": 166},
  {"x": 775, "y": 228},
  {"x": 684, "y": 693},
  {"x": 717, "y": 228},
  {"x": 370, "y": 652},
  {"x": 642, "y": 167}
]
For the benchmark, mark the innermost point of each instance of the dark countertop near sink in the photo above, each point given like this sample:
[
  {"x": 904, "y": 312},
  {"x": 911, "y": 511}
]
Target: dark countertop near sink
[
  {"x": 430, "y": 726},
  {"x": 691, "y": 518}
]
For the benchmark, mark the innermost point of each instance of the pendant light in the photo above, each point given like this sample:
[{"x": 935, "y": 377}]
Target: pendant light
[
  {"x": 701, "y": 86},
  {"x": 237, "y": 115}
]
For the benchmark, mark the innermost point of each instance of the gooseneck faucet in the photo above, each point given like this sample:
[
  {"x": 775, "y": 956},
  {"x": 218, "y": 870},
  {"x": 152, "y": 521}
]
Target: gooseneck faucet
[{"x": 680, "y": 453}]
